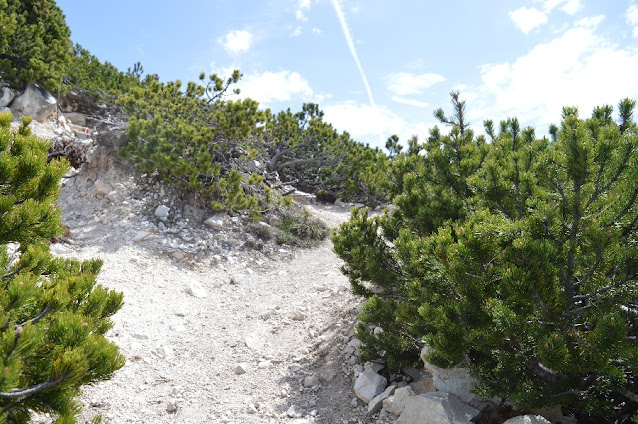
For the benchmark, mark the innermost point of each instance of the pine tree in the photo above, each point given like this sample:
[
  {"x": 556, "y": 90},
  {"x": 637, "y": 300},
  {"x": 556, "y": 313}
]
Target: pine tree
[
  {"x": 53, "y": 315},
  {"x": 35, "y": 43},
  {"x": 517, "y": 258}
]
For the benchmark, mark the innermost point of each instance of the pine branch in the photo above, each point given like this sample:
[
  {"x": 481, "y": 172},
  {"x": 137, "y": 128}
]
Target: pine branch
[
  {"x": 594, "y": 268},
  {"x": 34, "y": 320},
  {"x": 588, "y": 296},
  {"x": 8, "y": 275},
  {"x": 544, "y": 372},
  {"x": 29, "y": 391}
]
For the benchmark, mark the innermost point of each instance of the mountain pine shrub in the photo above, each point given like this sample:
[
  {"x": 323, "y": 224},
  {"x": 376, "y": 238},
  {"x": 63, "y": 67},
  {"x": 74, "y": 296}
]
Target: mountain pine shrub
[
  {"x": 53, "y": 315},
  {"x": 517, "y": 258},
  {"x": 35, "y": 44}
]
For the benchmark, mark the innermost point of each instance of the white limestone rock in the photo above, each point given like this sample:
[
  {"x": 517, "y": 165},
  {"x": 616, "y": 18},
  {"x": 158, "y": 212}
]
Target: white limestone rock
[
  {"x": 35, "y": 102},
  {"x": 368, "y": 385},
  {"x": 395, "y": 404},
  {"x": 376, "y": 404},
  {"x": 215, "y": 222},
  {"x": 457, "y": 381},
  {"x": 7, "y": 97},
  {"x": 195, "y": 289},
  {"x": 436, "y": 408},
  {"x": 162, "y": 212}
]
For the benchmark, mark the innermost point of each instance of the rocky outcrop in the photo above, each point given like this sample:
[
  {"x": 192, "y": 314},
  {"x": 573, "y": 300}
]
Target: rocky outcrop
[{"x": 35, "y": 102}]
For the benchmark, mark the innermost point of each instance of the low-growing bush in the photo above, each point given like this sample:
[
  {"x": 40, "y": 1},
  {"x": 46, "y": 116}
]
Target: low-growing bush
[
  {"x": 516, "y": 256},
  {"x": 53, "y": 314}
]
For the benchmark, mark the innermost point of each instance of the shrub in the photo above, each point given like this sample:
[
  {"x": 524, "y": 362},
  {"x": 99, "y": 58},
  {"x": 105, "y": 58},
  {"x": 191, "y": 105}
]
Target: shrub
[
  {"x": 517, "y": 257},
  {"x": 53, "y": 315},
  {"x": 34, "y": 43}
]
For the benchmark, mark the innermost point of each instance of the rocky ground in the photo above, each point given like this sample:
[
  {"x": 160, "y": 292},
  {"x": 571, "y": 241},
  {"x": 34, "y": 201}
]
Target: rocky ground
[{"x": 212, "y": 329}]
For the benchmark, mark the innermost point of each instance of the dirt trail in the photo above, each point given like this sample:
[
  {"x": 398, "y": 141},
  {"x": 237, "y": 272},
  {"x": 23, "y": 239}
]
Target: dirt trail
[{"x": 264, "y": 345}]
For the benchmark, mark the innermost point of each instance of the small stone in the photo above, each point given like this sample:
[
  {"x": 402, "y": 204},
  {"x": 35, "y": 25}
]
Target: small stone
[
  {"x": 165, "y": 352},
  {"x": 294, "y": 411},
  {"x": 195, "y": 289},
  {"x": 328, "y": 374},
  {"x": 162, "y": 211},
  {"x": 238, "y": 279},
  {"x": 215, "y": 222},
  {"x": 263, "y": 365},
  {"x": 141, "y": 236},
  {"x": 294, "y": 367},
  {"x": 298, "y": 316},
  {"x": 171, "y": 407},
  {"x": 310, "y": 381},
  {"x": 241, "y": 368}
]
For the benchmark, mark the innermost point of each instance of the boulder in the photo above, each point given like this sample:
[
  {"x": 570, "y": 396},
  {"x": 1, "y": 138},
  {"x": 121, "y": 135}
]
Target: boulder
[
  {"x": 368, "y": 385},
  {"x": 457, "y": 381},
  {"x": 5, "y": 109},
  {"x": 35, "y": 102},
  {"x": 6, "y": 97},
  {"x": 396, "y": 404},
  {"x": 527, "y": 419},
  {"x": 436, "y": 408},
  {"x": 376, "y": 404}
]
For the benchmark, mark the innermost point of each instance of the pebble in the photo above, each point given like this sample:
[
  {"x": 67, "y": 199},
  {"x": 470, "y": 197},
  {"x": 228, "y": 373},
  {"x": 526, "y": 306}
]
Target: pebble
[
  {"x": 241, "y": 368},
  {"x": 171, "y": 407},
  {"x": 162, "y": 211},
  {"x": 195, "y": 289}
]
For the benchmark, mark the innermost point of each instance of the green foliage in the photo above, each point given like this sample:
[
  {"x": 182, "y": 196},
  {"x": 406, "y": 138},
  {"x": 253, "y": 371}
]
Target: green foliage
[
  {"x": 193, "y": 137},
  {"x": 34, "y": 43},
  {"x": 301, "y": 229},
  {"x": 53, "y": 315},
  {"x": 304, "y": 149},
  {"x": 516, "y": 256},
  {"x": 89, "y": 73}
]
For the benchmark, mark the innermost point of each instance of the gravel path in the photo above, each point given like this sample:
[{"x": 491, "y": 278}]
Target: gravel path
[{"x": 264, "y": 343}]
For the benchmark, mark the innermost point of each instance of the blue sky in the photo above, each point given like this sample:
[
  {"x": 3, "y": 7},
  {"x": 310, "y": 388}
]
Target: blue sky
[{"x": 379, "y": 67}]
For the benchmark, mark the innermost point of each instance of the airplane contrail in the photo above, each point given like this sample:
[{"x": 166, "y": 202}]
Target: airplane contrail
[{"x": 353, "y": 51}]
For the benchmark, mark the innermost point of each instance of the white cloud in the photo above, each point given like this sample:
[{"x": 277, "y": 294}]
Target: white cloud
[
  {"x": 316, "y": 31},
  {"x": 409, "y": 102},
  {"x": 297, "y": 31},
  {"x": 632, "y": 18},
  {"x": 571, "y": 7},
  {"x": 578, "y": 68},
  {"x": 268, "y": 87},
  {"x": 236, "y": 41},
  {"x": 526, "y": 19},
  {"x": 372, "y": 124},
  {"x": 405, "y": 84}
]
